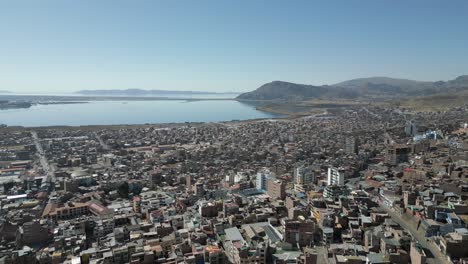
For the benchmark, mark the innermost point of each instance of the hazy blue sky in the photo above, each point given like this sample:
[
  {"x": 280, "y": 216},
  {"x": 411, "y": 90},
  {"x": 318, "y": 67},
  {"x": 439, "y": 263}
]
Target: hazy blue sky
[{"x": 64, "y": 46}]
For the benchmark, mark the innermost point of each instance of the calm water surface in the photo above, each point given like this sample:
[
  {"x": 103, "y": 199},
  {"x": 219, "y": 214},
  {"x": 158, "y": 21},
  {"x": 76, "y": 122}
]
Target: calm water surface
[{"x": 130, "y": 112}]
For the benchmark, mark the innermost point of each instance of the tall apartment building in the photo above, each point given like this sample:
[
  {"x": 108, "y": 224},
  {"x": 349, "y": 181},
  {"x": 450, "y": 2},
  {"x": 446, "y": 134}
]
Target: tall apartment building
[
  {"x": 303, "y": 176},
  {"x": 199, "y": 189},
  {"x": 261, "y": 181},
  {"x": 351, "y": 145},
  {"x": 335, "y": 177},
  {"x": 411, "y": 129}
]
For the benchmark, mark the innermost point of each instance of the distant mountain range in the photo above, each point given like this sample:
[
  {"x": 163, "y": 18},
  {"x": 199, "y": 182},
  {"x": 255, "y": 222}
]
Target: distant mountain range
[
  {"x": 142, "y": 92},
  {"x": 374, "y": 87}
]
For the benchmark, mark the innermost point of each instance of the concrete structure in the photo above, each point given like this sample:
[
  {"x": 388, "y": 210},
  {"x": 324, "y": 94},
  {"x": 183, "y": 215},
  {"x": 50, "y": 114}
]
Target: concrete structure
[
  {"x": 411, "y": 129},
  {"x": 276, "y": 189},
  {"x": 303, "y": 176},
  {"x": 299, "y": 233},
  {"x": 261, "y": 180},
  {"x": 334, "y": 177},
  {"x": 351, "y": 145},
  {"x": 417, "y": 254}
]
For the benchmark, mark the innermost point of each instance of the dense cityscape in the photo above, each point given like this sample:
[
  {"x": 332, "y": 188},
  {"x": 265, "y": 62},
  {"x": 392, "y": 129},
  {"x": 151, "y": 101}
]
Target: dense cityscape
[
  {"x": 233, "y": 132},
  {"x": 366, "y": 184}
]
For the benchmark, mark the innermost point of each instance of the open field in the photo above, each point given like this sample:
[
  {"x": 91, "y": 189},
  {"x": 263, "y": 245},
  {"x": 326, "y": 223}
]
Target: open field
[
  {"x": 309, "y": 107},
  {"x": 433, "y": 103},
  {"x": 439, "y": 102}
]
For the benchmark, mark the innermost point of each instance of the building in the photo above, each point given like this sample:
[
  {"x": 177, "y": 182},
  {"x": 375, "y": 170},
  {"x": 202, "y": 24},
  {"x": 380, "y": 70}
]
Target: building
[
  {"x": 136, "y": 204},
  {"x": 310, "y": 256},
  {"x": 276, "y": 189},
  {"x": 188, "y": 182},
  {"x": 262, "y": 177},
  {"x": 231, "y": 179},
  {"x": 397, "y": 153},
  {"x": 351, "y": 145},
  {"x": 410, "y": 128},
  {"x": 199, "y": 189},
  {"x": 73, "y": 210},
  {"x": 299, "y": 233},
  {"x": 303, "y": 176},
  {"x": 102, "y": 227},
  {"x": 32, "y": 234},
  {"x": 214, "y": 255},
  {"x": 334, "y": 177},
  {"x": 455, "y": 244},
  {"x": 210, "y": 209},
  {"x": 417, "y": 254},
  {"x": 240, "y": 251},
  {"x": 334, "y": 191}
]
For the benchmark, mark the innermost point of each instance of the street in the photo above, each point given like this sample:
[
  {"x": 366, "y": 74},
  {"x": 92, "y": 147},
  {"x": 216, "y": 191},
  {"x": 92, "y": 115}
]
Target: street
[
  {"x": 418, "y": 235},
  {"x": 49, "y": 170}
]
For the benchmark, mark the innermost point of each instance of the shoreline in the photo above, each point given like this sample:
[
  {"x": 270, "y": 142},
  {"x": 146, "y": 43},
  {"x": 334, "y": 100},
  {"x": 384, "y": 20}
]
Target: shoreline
[{"x": 159, "y": 125}]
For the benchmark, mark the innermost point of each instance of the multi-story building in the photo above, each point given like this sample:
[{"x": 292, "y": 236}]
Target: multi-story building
[
  {"x": 188, "y": 182},
  {"x": 417, "y": 254},
  {"x": 210, "y": 209},
  {"x": 262, "y": 177},
  {"x": 334, "y": 191},
  {"x": 73, "y": 210},
  {"x": 213, "y": 255},
  {"x": 303, "y": 176},
  {"x": 351, "y": 145},
  {"x": 239, "y": 251},
  {"x": 103, "y": 227},
  {"x": 334, "y": 177},
  {"x": 199, "y": 189},
  {"x": 411, "y": 129},
  {"x": 454, "y": 245},
  {"x": 276, "y": 189},
  {"x": 299, "y": 233},
  {"x": 32, "y": 234},
  {"x": 397, "y": 153}
]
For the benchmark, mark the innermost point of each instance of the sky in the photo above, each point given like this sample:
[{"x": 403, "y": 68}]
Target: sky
[{"x": 63, "y": 46}]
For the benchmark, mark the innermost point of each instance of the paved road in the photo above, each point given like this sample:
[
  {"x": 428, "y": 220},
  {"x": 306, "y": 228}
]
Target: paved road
[
  {"x": 103, "y": 144},
  {"x": 372, "y": 113},
  {"x": 49, "y": 170},
  {"x": 418, "y": 235}
]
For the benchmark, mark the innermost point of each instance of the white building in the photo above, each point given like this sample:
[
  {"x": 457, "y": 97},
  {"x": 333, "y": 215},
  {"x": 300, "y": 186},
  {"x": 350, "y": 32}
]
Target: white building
[{"x": 335, "y": 177}]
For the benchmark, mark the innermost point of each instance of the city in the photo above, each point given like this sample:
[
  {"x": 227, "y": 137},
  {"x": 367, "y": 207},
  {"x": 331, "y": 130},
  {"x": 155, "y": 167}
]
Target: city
[
  {"x": 362, "y": 185},
  {"x": 233, "y": 132}
]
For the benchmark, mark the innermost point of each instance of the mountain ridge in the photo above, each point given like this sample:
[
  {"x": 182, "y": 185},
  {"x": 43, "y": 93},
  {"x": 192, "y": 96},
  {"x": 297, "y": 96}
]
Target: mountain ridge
[{"x": 372, "y": 87}]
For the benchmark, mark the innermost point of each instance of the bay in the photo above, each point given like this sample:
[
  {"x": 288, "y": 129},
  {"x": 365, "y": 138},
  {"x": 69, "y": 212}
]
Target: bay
[{"x": 131, "y": 112}]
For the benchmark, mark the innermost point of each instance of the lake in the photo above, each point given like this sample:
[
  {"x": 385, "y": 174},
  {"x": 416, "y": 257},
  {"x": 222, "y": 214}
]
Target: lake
[{"x": 130, "y": 112}]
